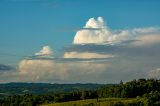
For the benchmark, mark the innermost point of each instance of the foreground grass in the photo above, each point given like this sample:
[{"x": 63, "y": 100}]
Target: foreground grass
[{"x": 99, "y": 102}]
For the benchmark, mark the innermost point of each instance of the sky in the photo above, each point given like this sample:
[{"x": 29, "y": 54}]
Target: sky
[{"x": 79, "y": 41}]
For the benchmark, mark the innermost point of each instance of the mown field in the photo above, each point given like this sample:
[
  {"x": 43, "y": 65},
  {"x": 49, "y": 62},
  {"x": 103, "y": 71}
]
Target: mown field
[{"x": 99, "y": 102}]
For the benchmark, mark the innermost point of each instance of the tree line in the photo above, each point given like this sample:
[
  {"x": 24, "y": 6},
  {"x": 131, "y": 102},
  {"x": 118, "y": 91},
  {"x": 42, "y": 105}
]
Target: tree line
[{"x": 147, "y": 92}]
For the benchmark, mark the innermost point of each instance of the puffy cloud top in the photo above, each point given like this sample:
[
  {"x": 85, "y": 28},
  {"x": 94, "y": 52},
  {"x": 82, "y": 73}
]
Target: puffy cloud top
[
  {"x": 93, "y": 23},
  {"x": 96, "y": 31},
  {"x": 45, "y": 51}
]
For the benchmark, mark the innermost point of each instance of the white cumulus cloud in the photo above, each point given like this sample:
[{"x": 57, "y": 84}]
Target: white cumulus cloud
[
  {"x": 52, "y": 71},
  {"x": 48, "y": 70},
  {"x": 127, "y": 64},
  {"x": 96, "y": 31},
  {"x": 92, "y": 36}
]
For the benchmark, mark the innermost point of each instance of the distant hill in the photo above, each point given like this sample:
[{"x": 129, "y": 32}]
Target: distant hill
[{"x": 44, "y": 88}]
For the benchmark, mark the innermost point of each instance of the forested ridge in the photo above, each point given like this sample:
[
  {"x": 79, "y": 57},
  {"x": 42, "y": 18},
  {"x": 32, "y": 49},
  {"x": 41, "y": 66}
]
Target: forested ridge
[
  {"x": 146, "y": 92},
  {"x": 14, "y": 88}
]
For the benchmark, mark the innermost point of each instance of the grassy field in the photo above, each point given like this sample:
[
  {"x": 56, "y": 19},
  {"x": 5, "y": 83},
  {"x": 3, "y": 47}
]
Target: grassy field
[{"x": 99, "y": 102}]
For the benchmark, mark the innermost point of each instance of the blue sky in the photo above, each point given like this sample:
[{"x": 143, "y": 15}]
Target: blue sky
[{"x": 28, "y": 25}]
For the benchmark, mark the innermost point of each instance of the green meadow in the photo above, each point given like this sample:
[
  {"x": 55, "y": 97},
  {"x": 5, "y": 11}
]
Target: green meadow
[{"x": 99, "y": 102}]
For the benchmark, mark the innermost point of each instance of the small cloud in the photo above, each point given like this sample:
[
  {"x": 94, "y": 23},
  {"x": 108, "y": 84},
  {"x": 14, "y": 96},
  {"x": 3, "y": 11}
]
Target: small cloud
[
  {"x": 45, "y": 51},
  {"x": 5, "y": 67}
]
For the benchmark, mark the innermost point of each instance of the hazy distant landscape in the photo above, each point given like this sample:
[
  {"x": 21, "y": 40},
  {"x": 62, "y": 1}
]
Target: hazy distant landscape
[
  {"x": 43, "y": 88},
  {"x": 79, "y": 53}
]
